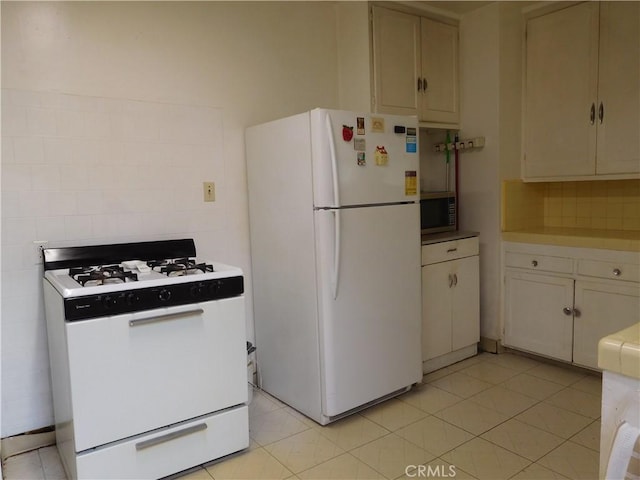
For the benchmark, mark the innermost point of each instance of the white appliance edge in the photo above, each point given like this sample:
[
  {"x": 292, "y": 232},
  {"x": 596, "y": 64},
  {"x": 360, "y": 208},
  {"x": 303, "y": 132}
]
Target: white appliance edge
[
  {"x": 309, "y": 355},
  {"x": 115, "y": 388}
]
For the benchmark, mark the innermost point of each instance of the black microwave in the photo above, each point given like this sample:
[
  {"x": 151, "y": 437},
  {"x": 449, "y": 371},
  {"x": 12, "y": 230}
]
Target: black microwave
[{"x": 437, "y": 212}]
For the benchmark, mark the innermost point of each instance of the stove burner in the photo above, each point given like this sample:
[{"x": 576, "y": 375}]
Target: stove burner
[
  {"x": 179, "y": 266},
  {"x": 101, "y": 275}
]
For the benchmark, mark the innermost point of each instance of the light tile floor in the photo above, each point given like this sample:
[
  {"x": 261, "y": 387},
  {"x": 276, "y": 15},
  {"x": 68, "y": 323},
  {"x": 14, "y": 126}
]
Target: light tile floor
[{"x": 488, "y": 417}]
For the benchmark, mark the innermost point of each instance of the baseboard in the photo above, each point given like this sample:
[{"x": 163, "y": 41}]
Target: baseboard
[
  {"x": 490, "y": 345},
  {"x": 447, "y": 359},
  {"x": 11, "y": 446}
]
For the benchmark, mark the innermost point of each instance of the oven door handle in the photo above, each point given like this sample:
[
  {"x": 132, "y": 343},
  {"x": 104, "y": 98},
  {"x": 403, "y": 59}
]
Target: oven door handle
[
  {"x": 170, "y": 436},
  {"x": 164, "y": 317}
]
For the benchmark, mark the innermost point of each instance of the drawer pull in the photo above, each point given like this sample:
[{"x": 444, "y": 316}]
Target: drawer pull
[
  {"x": 534, "y": 263},
  {"x": 617, "y": 272},
  {"x": 170, "y": 436},
  {"x": 576, "y": 312},
  {"x": 450, "y": 250},
  {"x": 567, "y": 311}
]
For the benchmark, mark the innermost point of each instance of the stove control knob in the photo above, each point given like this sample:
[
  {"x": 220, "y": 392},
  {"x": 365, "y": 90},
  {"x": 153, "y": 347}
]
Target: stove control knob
[
  {"x": 164, "y": 295},
  {"x": 197, "y": 290},
  {"x": 215, "y": 286},
  {"x": 132, "y": 298},
  {"x": 108, "y": 301}
]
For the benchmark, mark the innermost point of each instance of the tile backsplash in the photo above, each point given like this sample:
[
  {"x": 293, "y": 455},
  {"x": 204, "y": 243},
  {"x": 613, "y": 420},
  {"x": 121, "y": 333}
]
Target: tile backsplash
[
  {"x": 83, "y": 168},
  {"x": 597, "y": 204}
]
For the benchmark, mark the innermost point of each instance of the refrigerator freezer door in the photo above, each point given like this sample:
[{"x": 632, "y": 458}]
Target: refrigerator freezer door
[
  {"x": 370, "y": 307},
  {"x": 374, "y": 166}
]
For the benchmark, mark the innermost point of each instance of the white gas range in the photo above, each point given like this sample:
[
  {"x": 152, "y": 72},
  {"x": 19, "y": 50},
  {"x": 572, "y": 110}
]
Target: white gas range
[{"x": 148, "y": 358}]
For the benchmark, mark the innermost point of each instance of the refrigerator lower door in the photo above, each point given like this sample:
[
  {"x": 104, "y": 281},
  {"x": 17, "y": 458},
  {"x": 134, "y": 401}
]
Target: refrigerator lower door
[{"x": 370, "y": 303}]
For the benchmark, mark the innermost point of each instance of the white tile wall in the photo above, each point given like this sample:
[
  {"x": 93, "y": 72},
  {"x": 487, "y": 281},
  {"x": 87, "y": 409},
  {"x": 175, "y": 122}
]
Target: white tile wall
[{"x": 88, "y": 170}]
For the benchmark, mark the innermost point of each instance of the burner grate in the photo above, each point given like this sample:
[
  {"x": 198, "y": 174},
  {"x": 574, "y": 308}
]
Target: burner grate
[
  {"x": 179, "y": 266},
  {"x": 101, "y": 275}
]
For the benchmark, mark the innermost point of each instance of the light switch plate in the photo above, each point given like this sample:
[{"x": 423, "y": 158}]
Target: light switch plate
[{"x": 209, "y": 189}]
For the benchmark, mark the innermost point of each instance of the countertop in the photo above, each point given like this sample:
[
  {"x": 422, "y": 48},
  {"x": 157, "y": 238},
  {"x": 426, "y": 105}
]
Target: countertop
[
  {"x": 620, "y": 352},
  {"x": 625, "y": 240},
  {"x": 430, "y": 238}
]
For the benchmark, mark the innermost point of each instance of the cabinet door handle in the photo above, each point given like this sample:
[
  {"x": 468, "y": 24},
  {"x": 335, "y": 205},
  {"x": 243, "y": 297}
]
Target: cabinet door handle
[
  {"x": 567, "y": 311},
  {"x": 592, "y": 114},
  {"x": 455, "y": 279},
  {"x": 424, "y": 84},
  {"x": 576, "y": 312},
  {"x": 450, "y": 280},
  {"x": 419, "y": 83},
  {"x": 601, "y": 113},
  {"x": 617, "y": 272}
]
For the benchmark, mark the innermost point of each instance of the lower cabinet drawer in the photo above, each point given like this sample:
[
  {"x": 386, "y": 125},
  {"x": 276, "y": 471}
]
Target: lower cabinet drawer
[
  {"x": 611, "y": 270},
  {"x": 449, "y": 250},
  {"x": 545, "y": 263},
  {"x": 168, "y": 451}
]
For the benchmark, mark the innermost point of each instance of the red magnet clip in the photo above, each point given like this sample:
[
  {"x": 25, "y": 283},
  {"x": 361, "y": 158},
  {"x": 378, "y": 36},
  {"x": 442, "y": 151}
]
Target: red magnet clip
[{"x": 347, "y": 133}]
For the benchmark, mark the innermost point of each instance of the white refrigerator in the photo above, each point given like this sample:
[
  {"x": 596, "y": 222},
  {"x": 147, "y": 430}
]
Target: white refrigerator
[{"x": 335, "y": 249}]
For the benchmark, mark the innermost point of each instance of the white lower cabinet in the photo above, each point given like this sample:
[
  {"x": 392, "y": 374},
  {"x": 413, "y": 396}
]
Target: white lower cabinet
[
  {"x": 601, "y": 308},
  {"x": 537, "y": 321},
  {"x": 560, "y": 301},
  {"x": 450, "y": 302}
]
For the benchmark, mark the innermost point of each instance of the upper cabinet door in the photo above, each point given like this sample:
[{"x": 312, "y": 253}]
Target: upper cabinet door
[
  {"x": 415, "y": 67},
  {"x": 582, "y": 93},
  {"x": 439, "y": 61},
  {"x": 560, "y": 93},
  {"x": 619, "y": 88},
  {"x": 396, "y": 40}
]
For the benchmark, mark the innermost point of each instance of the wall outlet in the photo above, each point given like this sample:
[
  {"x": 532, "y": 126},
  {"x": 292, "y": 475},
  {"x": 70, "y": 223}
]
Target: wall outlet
[
  {"x": 38, "y": 246},
  {"x": 209, "y": 191}
]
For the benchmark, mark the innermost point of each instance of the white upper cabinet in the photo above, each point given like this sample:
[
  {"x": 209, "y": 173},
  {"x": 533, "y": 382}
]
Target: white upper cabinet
[
  {"x": 439, "y": 62},
  {"x": 619, "y": 88},
  {"x": 396, "y": 44},
  {"x": 415, "y": 63},
  {"x": 581, "y": 105}
]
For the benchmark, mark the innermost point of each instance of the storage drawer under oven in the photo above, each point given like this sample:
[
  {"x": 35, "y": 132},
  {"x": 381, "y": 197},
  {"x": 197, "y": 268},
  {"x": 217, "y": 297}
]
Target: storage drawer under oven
[
  {"x": 171, "y": 450},
  {"x": 134, "y": 373}
]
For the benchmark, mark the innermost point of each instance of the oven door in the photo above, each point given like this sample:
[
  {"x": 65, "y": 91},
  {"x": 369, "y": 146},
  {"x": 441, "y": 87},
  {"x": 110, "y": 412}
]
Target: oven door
[{"x": 138, "y": 372}]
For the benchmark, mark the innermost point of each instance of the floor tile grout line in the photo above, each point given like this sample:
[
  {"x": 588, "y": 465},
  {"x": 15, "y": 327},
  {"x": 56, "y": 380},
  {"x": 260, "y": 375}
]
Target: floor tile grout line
[
  {"x": 280, "y": 463},
  {"x": 44, "y": 473},
  {"x": 550, "y": 468},
  {"x": 578, "y": 433}
]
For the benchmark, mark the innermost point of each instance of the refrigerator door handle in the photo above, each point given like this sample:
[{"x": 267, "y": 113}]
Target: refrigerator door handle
[
  {"x": 334, "y": 161},
  {"x": 336, "y": 253}
]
